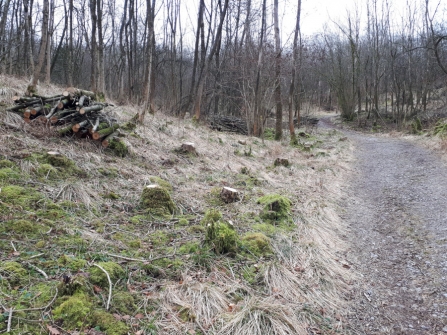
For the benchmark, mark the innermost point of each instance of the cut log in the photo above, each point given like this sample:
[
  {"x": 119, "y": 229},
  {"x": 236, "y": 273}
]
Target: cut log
[
  {"x": 63, "y": 104},
  {"x": 66, "y": 130},
  {"x": 27, "y": 113},
  {"x": 61, "y": 114},
  {"x": 189, "y": 147},
  {"x": 76, "y": 92},
  {"x": 36, "y": 110},
  {"x": 81, "y": 102},
  {"x": 229, "y": 194},
  {"x": 93, "y": 108},
  {"x": 22, "y": 105},
  {"x": 104, "y": 132},
  {"x": 106, "y": 141},
  {"x": 79, "y": 125}
]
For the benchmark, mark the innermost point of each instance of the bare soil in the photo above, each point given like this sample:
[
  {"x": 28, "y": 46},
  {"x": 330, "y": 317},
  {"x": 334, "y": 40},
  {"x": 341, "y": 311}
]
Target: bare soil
[{"x": 395, "y": 208}]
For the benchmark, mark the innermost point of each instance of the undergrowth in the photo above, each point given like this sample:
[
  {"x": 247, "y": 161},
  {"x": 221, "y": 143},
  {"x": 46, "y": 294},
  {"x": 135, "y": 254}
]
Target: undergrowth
[{"x": 149, "y": 224}]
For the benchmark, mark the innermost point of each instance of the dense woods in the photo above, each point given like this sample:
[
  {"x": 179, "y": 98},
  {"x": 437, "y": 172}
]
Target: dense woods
[{"x": 232, "y": 58}]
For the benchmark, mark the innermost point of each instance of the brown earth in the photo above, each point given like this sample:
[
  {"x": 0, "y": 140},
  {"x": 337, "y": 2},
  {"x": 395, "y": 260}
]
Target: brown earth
[{"x": 395, "y": 208}]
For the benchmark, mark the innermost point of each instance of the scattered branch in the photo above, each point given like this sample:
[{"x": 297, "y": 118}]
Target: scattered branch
[{"x": 110, "y": 284}]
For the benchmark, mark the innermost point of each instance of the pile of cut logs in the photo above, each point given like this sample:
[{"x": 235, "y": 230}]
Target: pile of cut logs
[
  {"x": 230, "y": 124},
  {"x": 75, "y": 110}
]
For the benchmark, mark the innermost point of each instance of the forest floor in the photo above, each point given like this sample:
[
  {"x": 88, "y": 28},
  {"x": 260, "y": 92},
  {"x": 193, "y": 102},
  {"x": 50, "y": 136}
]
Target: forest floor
[
  {"x": 395, "y": 210},
  {"x": 275, "y": 266}
]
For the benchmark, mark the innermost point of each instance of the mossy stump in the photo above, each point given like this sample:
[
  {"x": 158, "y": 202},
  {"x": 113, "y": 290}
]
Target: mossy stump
[
  {"x": 276, "y": 208},
  {"x": 157, "y": 200},
  {"x": 282, "y": 162},
  {"x": 229, "y": 195}
]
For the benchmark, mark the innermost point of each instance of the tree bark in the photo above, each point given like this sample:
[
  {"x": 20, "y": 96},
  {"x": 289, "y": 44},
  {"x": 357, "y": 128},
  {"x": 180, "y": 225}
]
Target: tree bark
[
  {"x": 43, "y": 47},
  {"x": 278, "y": 130}
]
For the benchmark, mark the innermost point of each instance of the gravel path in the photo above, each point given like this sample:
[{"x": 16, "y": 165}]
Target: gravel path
[{"x": 396, "y": 210}]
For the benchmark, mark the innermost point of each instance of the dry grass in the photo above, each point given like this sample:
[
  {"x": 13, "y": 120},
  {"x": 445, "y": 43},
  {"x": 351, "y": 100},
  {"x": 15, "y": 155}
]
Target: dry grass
[
  {"x": 305, "y": 268},
  {"x": 263, "y": 316}
]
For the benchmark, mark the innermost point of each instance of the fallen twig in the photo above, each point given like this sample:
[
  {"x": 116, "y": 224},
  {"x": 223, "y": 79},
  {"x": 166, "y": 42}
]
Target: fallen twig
[
  {"x": 37, "y": 269},
  {"x": 8, "y": 328},
  {"x": 110, "y": 284}
]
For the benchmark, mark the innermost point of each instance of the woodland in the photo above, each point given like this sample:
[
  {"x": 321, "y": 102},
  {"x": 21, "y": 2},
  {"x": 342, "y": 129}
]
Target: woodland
[
  {"x": 231, "y": 58},
  {"x": 176, "y": 169}
]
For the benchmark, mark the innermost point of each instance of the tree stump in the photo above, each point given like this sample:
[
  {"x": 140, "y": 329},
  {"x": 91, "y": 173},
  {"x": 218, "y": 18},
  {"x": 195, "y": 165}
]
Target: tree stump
[
  {"x": 229, "y": 194},
  {"x": 189, "y": 148},
  {"x": 282, "y": 162}
]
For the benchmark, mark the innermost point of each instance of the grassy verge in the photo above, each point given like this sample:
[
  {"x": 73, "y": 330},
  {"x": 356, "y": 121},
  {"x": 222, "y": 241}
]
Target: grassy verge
[{"x": 84, "y": 250}]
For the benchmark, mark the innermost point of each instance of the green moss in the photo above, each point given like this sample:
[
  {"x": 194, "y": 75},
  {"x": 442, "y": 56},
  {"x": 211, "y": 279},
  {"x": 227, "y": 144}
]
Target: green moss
[
  {"x": 159, "y": 238},
  {"x": 74, "y": 312},
  {"x": 22, "y": 227},
  {"x": 138, "y": 219},
  {"x": 211, "y": 216},
  {"x": 213, "y": 198},
  {"x": 221, "y": 237},
  {"x": 161, "y": 182},
  {"x": 22, "y": 197},
  {"x": 47, "y": 171},
  {"x": 109, "y": 324},
  {"x": 134, "y": 244},
  {"x": 14, "y": 272},
  {"x": 249, "y": 273},
  {"x": 40, "y": 244},
  {"x": 9, "y": 174},
  {"x": 124, "y": 302},
  {"x": 108, "y": 172},
  {"x": 111, "y": 196},
  {"x": 257, "y": 244},
  {"x": 129, "y": 125},
  {"x": 276, "y": 208},
  {"x": 416, "y": 126},
  {"x": 97, "y": 276},
  {"x": 71, "y": 262},
  {"x": 157, "y": 200},
  {"x": 186, "y": 314},
  {"x": 265, "y": 228},
  {"x": 196, "y": 229},
  {"x": 183, "y": 222},
  {"x": 188, "y": 248},
  {"x": 4, "y": 163},
  {"x": 119, "y": 148},
  {"x": 64, "y": 165},
  {"x": 74, "y": 285},
  {"x": 164, "y": 267}
]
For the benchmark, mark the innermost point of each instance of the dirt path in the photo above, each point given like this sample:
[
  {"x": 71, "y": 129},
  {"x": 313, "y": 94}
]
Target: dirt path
[{"x": 397, "y": 214}]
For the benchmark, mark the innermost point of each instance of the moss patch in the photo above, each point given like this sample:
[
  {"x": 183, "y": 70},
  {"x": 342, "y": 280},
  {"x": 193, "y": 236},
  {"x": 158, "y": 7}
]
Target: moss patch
[
  {"x": 18, "y": 196},
  {"x": 211, "y": 216},
  {"x": 119, "y": 148},
  {"x": 161, "y": 182},
  {"x": 74, "y": 312},
  {"x": 276, "y": 208},
  {"x": 13, "y": 272},
  {"x": 71, "y": 262},
  {"x": 97, "y": 276},
  {"x": 5, "y": 163},
  {"x": 107, "y": 322},
  {"x": 157, "y": 200},
  {"x": 257, "y": 244},
  {"x": 124, "y": 302},
  {"x": 221, "y": 237},
  {"x": 9, "y": 174}
]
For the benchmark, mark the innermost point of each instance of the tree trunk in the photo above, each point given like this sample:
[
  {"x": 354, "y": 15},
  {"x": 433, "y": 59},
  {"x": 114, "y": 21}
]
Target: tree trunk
[
  {"x": 294, "y": 66},
  {"x": 278, "y": 130},
  {"x": 43, "y": 47}
]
